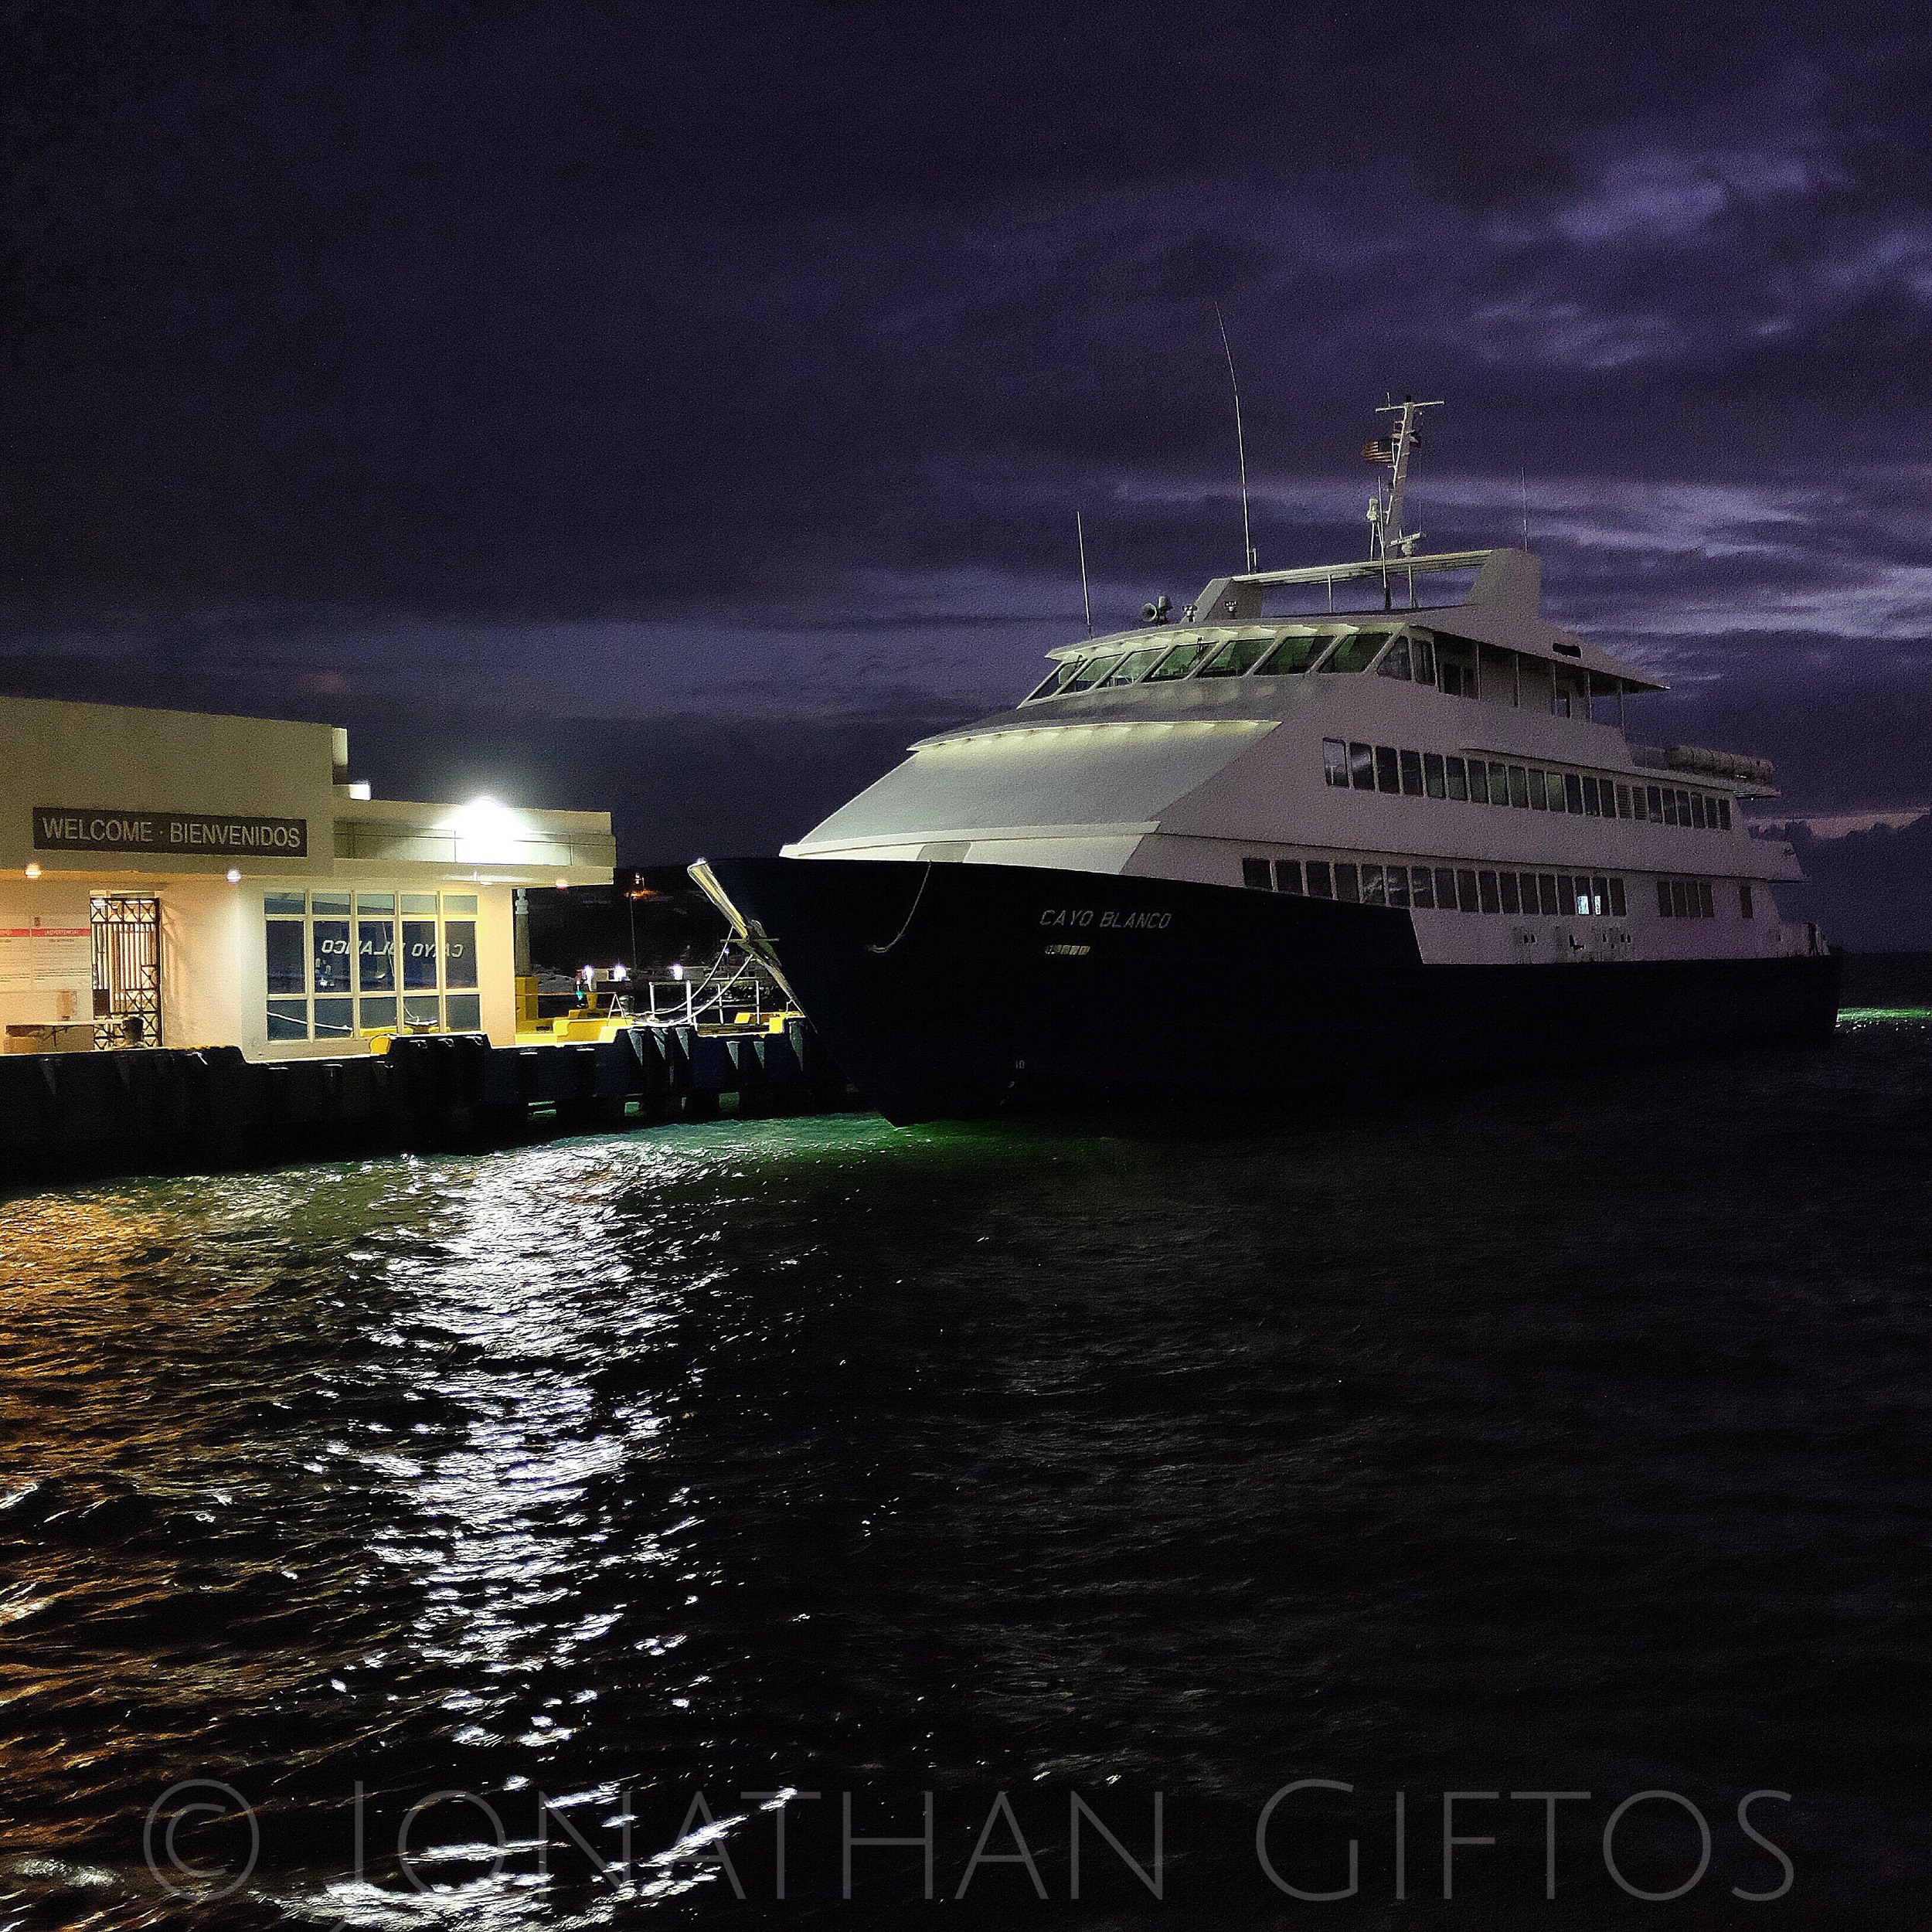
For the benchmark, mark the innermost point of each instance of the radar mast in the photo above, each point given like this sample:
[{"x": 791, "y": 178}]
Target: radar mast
[{"x": 1387, "y": 540}]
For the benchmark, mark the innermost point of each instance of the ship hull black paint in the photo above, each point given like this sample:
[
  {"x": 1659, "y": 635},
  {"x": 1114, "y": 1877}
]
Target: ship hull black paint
[{"x": 949, "y": 990}]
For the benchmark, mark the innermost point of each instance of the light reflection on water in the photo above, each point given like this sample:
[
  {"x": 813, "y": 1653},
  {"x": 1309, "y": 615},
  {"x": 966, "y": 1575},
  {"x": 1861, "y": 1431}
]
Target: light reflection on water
[{"x": 1186, "y": 1455}]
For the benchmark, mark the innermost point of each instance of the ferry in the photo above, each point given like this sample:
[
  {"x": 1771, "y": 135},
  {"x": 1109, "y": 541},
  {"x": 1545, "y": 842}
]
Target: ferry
[{"x": 1229, "y": 854}]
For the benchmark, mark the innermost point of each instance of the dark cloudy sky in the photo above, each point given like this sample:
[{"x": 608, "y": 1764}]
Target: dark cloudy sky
[{"x": 678, "y": 408}]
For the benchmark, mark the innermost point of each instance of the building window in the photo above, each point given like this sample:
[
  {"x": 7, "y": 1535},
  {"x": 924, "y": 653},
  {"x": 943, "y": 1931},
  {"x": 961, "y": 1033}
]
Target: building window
[
  {"x": 288, "y": 1019},
  {"x": 1334, "y": 761},
  {"x": 286, "y": 946},
  {"x": 332, "y": 962},
  {"x": 1255, "y": 874},
  {"x": 1745, "y": 909},
  {"x": 331, "y": 955},
  {"x": 419, "y": 954},
  {"x": 375, "y": 955}
]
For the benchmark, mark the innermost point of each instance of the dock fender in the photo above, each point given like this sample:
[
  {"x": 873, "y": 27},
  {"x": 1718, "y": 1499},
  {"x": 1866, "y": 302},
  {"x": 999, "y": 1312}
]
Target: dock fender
[{"x": 26, "y": 1101}]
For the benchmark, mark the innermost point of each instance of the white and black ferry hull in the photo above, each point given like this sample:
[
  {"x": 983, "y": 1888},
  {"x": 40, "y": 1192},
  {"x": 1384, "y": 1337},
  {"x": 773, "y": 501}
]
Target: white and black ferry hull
[{"x": 947, "y": 990}]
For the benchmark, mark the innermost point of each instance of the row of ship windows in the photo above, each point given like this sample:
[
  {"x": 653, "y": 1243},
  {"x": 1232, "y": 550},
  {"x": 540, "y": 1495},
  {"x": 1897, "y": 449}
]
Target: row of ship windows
[
  {"x": 1430, "y": 774},
  {"x": 1472, "y": 889},
  {"x": 1412, "y": 657}
]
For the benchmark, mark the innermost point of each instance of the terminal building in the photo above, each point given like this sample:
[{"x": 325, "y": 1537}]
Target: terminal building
[{"x": 173, "y": 879}]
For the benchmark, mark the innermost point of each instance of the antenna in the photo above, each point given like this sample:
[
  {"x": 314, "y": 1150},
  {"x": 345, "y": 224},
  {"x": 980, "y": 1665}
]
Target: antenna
[
  {"x": 1522, "y": 478},
  {"x": 1240, "y": 448},
  {"x": 1079, "y": 533}
]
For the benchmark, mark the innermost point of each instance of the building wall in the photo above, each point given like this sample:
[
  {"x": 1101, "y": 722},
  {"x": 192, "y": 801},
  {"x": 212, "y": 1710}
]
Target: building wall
[
  {"x": 213, "y": 965},
  {"x": 496, "y": 959},
  {"x": 113, "y": 758}
]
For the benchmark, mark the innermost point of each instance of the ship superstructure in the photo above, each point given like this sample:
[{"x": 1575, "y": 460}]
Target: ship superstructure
[{"x": 1452, "y": 777}]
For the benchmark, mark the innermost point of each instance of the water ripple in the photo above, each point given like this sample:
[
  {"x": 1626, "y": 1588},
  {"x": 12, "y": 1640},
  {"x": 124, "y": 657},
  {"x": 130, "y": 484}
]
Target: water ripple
[{"x": 1563, "y": 1432}]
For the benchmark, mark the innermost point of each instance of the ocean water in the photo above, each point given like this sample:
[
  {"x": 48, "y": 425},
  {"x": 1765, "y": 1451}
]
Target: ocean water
[{"x": 1552, "y": 1437}]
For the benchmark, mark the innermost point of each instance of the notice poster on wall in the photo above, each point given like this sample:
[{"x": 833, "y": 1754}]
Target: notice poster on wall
[{"x": 48, "y": 955}]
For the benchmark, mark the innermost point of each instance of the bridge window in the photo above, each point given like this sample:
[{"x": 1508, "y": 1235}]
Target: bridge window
[
  {"x": 1292, "y": 656},
  {"x": 1134, "y": 666},
  {"x": 1091, "y": 671},
  {"x": 1395, "y": 664},
  {"x": 1178, "y": 663},
  {"x": 1236, "y": 657},
  {"x": 1356, "y": 651},
  {"x": 1053, "y": 680}
]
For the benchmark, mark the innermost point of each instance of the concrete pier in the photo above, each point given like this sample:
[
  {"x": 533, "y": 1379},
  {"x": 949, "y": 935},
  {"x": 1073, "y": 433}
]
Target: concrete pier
[{"x": 161, "y": 1109}]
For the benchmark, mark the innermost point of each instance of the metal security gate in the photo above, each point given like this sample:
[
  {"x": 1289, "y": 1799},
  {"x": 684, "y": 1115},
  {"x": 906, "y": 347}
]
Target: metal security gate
[{"x": 126, "y": 937}]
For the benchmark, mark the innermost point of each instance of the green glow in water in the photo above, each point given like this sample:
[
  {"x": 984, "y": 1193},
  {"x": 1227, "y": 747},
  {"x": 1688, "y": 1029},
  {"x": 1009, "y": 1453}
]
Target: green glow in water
[{"x": 1885, "y": 1013}]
